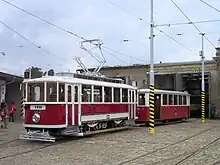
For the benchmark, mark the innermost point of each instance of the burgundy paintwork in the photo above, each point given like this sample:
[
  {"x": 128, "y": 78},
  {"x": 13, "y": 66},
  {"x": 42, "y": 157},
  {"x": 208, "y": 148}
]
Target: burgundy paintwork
[
  {"x": 55, "y": 114},
  {"x": 166, "y": 112},
  {"x": 99, "y": 109}
]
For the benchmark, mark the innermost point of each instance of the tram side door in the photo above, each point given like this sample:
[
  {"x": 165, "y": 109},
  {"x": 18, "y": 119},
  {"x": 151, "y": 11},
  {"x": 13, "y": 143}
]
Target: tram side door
[
  {"x": 76, "y": 116},
  {"x": 72, "y": 104},
  {"x": 157, "y": 106}
]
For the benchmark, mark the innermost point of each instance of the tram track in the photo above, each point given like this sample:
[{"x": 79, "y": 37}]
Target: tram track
[
  {"x": 165, "y": 147},
  {"x": 47, "y": 145}
]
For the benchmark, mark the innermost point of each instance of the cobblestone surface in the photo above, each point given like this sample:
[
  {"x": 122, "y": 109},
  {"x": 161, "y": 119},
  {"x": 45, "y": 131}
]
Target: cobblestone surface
[{"x": 183, "y": 143}]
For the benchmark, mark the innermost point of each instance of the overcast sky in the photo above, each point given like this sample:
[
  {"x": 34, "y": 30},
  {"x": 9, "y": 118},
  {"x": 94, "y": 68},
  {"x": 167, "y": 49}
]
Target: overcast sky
[{"x": 101, "y": 19}]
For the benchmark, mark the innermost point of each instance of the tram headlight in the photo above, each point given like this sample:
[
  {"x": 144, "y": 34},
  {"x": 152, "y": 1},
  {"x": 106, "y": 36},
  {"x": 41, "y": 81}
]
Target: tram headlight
[{"x": 36, "y": 118}]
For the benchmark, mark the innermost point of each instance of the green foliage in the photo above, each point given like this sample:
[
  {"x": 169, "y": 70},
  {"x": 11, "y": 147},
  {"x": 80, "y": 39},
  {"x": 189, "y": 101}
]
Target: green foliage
[{"x": 37, "y": 72}]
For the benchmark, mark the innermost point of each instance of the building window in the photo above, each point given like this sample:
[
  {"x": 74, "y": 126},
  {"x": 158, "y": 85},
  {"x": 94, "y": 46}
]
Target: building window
[
  {"x": 124, "y": 95},
  {"x": 51, "y": 92},
  {"x": 116, "y": 94},
  {"x": 165, "y": 101},
  {"x": 108, "y": 94},
  {"x": 97, "y": 94}
]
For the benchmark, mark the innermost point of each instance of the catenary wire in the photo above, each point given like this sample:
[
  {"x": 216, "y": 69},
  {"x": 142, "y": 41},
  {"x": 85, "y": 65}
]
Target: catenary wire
[
  {"x": 38, "y": 46},
  {"x": 210, "y": 6},
  {"x": 122, "y": 53},
  {"x": 56, "y": 26},
  {"x": 192, "y": 23},
  {"x": 115, "y": 56},
  {"x": 157, "y": 28},
  {"x": 187, "y": 23}
]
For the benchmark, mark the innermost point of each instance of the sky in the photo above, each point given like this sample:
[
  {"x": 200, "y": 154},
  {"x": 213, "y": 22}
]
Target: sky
[{"x": 111, "y": 21}]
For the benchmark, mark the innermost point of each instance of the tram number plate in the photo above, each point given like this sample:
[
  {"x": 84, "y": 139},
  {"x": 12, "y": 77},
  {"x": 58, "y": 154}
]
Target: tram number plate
[
  {"x": 107, "y": 116},
  {"x": 38, "y": 107}
]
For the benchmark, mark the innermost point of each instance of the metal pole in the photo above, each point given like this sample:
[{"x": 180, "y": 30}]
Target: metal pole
[
  {"x": 203, "y": 83},
  {"x": 151, "y": 97}
]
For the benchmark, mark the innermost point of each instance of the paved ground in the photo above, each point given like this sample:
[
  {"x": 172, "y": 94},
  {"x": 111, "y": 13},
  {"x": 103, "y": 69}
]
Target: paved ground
[{"x": 183, "y": 143}]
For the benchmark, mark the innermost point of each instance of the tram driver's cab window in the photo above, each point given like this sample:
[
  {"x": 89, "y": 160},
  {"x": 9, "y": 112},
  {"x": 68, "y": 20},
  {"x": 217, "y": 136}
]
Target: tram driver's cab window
[
  {"x": 51, "y": 92},
  {"x": 35, "y": 92}
]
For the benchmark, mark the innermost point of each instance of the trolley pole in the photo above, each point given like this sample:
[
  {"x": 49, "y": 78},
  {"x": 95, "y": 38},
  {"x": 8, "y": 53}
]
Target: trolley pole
[
  {"x": 151, "y": 97},
  {"x": 203, "y": 82}
]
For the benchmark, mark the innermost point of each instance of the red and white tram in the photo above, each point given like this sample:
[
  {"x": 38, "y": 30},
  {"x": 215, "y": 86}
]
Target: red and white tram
[
  {"x": 169, "y": 105},
  {"x": 76, "y": 105}
]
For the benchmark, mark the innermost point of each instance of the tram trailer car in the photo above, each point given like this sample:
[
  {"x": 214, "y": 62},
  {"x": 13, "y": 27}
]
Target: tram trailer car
[
  {"x": 59, "y": 106},
  {"x": 169, "y": 106}
]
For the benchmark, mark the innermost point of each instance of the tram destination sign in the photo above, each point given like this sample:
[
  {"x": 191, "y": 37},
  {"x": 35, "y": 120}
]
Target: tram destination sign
[{"x": 38, "y": 107}]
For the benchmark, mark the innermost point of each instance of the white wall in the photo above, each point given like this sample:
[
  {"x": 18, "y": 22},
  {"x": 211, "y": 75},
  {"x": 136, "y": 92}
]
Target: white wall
[{"x": 2, "y": 90}]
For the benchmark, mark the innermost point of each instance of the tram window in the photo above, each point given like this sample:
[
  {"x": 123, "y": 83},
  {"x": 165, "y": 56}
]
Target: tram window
[
  {"x": 87, "y": 93},
  {"x": 23, "y": 88},
  {"x": 180, "y": 100},
  {"x": 97, "y": 94},
  {"x": 184, "y": 100},
  {"x": 170, "y": 99},
  {"x": 133, "y": 95},
  {"x": 108, "y": 94},
  {"x": 116, "y": 94},
  {"x": 61, "y": 92},
  {"x": 129, "y": 96},
  {"x": 76, "y": 93},
  {"x": 141, "y": 100},
  {"x": 165, "y": 101},
  {"x": 35, "y": 92},
  {"x": 52, "y": 92},
  {"x": 175, "y": 99},
  {"x": 124, "y": 95},
  {"x": 69, "y": 93}
]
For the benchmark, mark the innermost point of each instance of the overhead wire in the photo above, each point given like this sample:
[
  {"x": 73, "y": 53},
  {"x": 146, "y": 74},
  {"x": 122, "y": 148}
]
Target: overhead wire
[
  {"x": 210, "y": 5},
  {"x": 122, "y": 53},
  {"x": 157, "y": 29},
  {"x": 115, "y": 56},
  {"x": 192, "y": 23},
  {"x": 38, "y": 46},
  {"x": 187, "y": 23},
  {"x": 56, "y": 26},
  {"x": 174, "y": 39}
]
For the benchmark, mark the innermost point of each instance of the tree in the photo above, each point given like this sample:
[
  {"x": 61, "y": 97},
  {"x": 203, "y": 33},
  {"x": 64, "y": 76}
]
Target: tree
[
  {"x": 51, "y": 72},
  {"x": 35, "y": 72}
]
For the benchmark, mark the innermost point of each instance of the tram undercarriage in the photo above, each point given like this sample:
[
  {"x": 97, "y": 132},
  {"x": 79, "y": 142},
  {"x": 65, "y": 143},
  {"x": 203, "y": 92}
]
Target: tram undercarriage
[{"x": 89, "y": 128}]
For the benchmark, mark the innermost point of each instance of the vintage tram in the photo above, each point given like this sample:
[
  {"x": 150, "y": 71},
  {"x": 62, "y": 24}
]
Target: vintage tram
[
  {"x": 169, "y": 106},
  {"x": 76, "y": 105}
]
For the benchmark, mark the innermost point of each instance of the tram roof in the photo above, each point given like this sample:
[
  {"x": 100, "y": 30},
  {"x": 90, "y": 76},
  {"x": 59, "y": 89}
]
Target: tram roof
[
  {"x": 73, "y": 80},
  {"x": 163, "y": 91}
]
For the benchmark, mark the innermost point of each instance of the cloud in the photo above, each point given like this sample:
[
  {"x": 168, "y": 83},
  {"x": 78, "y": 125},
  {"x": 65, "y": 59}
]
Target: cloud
[{"x": 100, "y": 19}]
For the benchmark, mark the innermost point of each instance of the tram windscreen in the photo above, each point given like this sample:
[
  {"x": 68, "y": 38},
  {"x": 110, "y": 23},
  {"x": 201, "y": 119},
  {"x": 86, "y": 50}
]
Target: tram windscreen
[{"x": 35, "y": 92}]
